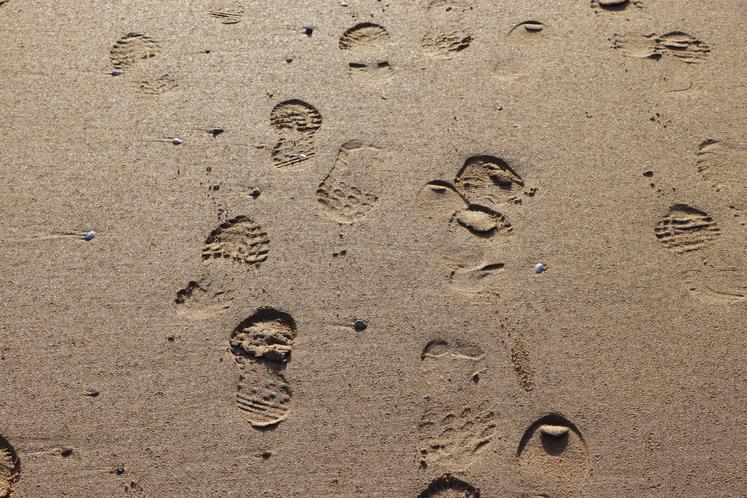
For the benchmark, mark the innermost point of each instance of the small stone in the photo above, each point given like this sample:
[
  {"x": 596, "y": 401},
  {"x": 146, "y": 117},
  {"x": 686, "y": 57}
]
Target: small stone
[
  {"x": 176, "y": 141},
  {"x": 66, "y": 452},
  {"x": 116, "y": 72},
  {"x": 553, "y": 430},
  {"x": 266, "y": 455},
  {"x": 308, "y": 30},
  {"x": 360, "y": 325},
  {"x": 91, "y": 392},
  {"x": 648, "y": 173},
  {"x": 256, "y": 191},
  {"x": 539, "y": 268},
  {"x": 216, "y": 131},
  {"x": 89, "y": 235},
  {"x": 119, "y": 469}
]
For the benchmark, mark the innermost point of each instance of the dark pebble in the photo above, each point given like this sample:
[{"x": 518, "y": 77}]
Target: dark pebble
[
  {"x": 360, "y": 325},
  {"x": 91, "y": 392}
]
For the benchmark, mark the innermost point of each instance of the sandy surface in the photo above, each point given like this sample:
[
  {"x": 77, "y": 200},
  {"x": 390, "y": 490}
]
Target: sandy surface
[{"x": 404, "y": 165}]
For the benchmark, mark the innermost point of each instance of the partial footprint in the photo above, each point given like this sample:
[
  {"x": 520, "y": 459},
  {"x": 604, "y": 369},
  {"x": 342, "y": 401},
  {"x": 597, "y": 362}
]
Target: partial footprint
[
  {"x": 366, "y": 42},
  {"x": 723, "y": 164},
  {"x": 528, "y": 31},
  {"x": 363, "y": 35},
  {"x": 676, "y": 44},
  {"x": 240, "y": 239},
  {"x": 132, "y": 48},
  {"x": 522, "y": 365},
  {"x": 199, "y": 299},
  {"x": 261, "y": 346},
  {"x": 553, "y": 457},
  {"x": 685, "y": 229},
  {"x": 227, "y": 12},
  {"x": 155, "y": 79},
  {"x": 718, "y": 286},
  {"x": 457, "y": 423},
  {"x": 296, "y": 122},
  {"x": 448, "y": 43},
  {"x": 349, "y": 192},
  {"x": 484, "y": 278},
  {"x": 481, "y": 221},
  {"x": 10, "y": 468},
  {"x": 488, "y": 181},
  {"x": 614, "y": 5},
  {"x": 448, "y": 486}
]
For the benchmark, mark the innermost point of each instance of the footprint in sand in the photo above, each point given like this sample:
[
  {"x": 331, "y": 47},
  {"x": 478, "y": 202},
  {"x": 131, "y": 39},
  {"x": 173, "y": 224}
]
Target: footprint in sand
[
  {"x": 296, "y": 122},
  {"x": 718, "y": 285},
  {"x": 457, "y": 423},
  {"x": 679, "y": 46},
  {"x": 227, "y": 12},
  {"x": 261, "y": 347},
  {"x": 367, "y": 45},
  {"x": 349, "y": 191},
  {"x": 614, "y": 5},
  {"x": 240, "y": 240},
  {"x": 686, "y": 229},
  {"x": 131, "y": 49},
  {"x": 553, "y": 457},
  {"x": 522, "y": 365},
  {"x": 10, "y": 468},
  {"x": 528, "y": 31},
  {"x": 203, "y": 298},
  {"x": 724, "y": 165},
  {"x": 448, "y": 486},
  {"x": 447, "y": 36}
]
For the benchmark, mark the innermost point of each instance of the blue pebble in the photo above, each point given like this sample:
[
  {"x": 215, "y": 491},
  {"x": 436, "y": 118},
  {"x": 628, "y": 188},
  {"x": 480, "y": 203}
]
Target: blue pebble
[
  {"x": 539, "y": 268},
  {"x": 89, "y": 235}
]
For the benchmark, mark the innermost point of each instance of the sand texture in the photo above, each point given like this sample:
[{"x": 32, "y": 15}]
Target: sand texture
[{"x": 279, "y": 249}]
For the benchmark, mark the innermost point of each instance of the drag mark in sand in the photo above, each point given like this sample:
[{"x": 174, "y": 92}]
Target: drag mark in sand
[
  {"x": 261, "y": 347},
  {"x": 296, "y": 122}
]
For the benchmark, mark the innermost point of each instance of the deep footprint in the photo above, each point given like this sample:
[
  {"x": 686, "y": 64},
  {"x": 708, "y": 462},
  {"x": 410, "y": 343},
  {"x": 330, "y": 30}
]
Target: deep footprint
[
  {"x": 348, "y": 193},
  {"x": 448, "y": 486},
  {"x": 296, "y": 122},
  {"x": 10, "y": 468},
  {"x": 132, "y": 48},
  {"x": 240, "y": 239},
  {"x": 457, "y": 423},
  {"x": 261, "y": 347},
  {"x": 685, "y": 229},
  {"x": 488, "y": 181},
  {"x": 553, "y": 457}
]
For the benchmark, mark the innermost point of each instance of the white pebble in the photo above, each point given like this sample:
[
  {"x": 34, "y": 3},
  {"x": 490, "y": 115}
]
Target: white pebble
[{"x": 539, "y": 268}]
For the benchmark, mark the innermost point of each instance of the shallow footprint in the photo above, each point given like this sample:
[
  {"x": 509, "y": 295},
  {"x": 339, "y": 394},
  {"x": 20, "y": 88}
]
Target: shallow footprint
[
  {"x": 447, "y": 44},
  {"x": 349, "y": 191},
  {"x": 448, "y": 486},
  {"x": 10, "y": 468},
  {"x": 457, "y": 423},
  {"x": 132, "y": 48},
  {"x": 261, "y": 346},
  {"x": 553, "y": 457},
  {"x": 723, "y": 164},
  {"x": 296, "y": 122},
  {"x": 676, "y": 44},
  {"x": 718, "y": 286},
  {"x": 240, "y": 239},
  {"x": 685, "y": 229},
  {"x": 367, "y": 43}
]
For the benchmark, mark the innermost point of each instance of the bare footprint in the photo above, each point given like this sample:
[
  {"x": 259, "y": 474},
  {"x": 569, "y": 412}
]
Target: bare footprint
[
  {"x": 261, "y": 346},
  {"x": 367, "y": 45},
  {"x": 349, "y": 191},
  {"x": 686, "y": 229},
  {"x": 132, "y": 48},
  {"x": 10, "y": 468},
  {"x": 240, "y": 240},
  {"x": 723, "y": 164},
  {"x": 457, "y": 423},
  {"x": 679, "y": 46},
  {"x": 448, "y": 486},
  {"x": 296, "y": 122},
  {"x": 553, "y": 457}
]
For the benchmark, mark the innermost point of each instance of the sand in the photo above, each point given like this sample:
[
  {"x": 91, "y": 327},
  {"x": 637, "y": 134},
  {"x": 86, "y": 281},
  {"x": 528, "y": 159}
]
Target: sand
[{"x": 316, "y": 231}]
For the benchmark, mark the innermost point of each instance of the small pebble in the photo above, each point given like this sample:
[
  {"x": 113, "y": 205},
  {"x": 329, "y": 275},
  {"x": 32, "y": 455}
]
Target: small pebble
[
  {"x": 539, "y": 268},
  {"x": 176, "y": 141},
  {"x": 89, "y": 235},
  {"x": 308, "y": 30},
  {"x": 344, "y": 3},
  {"x": 66, "y": 452},
  {"x": 648, "y": 173},
  {"x": 91, "y": 392},
  {"x": 360, "y": 325},
  {"x": 217, "y": 131},
  {"x": 119, "y": 469},
  {"x": 116, "y": 72},
  {"x": 255, "y": 192},
  {"x": 266, "y": 455}
]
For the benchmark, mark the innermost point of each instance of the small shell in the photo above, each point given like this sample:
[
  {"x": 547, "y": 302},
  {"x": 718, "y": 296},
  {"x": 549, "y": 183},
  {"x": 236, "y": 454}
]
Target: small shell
[
  {"x": 539, "y": 268},
  {"x": 89, "y": 235},
  {"x": 176, "y": 141},
  {"x": 553, "y": 430}
]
